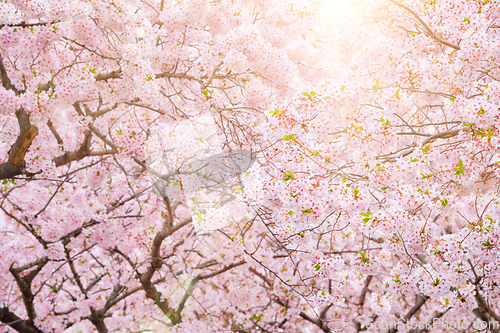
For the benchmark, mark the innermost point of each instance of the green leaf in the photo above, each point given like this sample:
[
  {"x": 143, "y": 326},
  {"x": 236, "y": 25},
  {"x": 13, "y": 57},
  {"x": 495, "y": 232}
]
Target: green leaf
[
  {"x": 367, "y": 217},
  {"x": 310, "y": 95},
  {"x": 460, "y": 170},
  {"x": 396, "y": 94},
  {"x": 288, "y": 176},
  {"x": 364, "y": 259},
  {"x": 258, "y": 318},
  {"x": 289, "y": 137},
  {"x": 424, "y": 176},
  {"x": 275, "y": 112},
  {"x": 426, "y": 149},
  {"x": 317, "y": 267}
]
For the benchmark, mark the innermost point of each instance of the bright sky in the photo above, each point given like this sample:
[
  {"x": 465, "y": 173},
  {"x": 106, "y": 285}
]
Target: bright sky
[{"x": 337, "y": 11}]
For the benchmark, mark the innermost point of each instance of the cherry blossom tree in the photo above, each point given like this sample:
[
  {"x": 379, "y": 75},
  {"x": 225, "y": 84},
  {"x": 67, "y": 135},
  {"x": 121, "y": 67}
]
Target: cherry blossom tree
[{"x": 207, "y": 166}]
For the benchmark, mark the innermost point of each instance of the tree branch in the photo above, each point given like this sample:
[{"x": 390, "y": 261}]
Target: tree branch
[
  {"x": 20, "y": 325},
  {"x": 6, "y": 83},
  {"x": 15, "y": 165},
  {"x": 426, "y": 27},
  {"x": 28, "y": 25},
  {"x": 418, "y": 304},
  {"x": 484, "y": 311},
  {"x": 76, "y": 155},
  {"x": 222, "y": 270},
  {"x": 156, "y": 263},
  {"x": 362, "y": 297},
  {"x": 318, "y": 322},
  {"x": 24, "y": 284}
]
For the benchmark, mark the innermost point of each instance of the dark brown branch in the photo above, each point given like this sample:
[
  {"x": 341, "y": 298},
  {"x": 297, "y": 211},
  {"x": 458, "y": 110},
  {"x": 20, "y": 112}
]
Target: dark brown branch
[
  {"x": 76, "y": 155},
  {"x": 318, "y": 322},
  {"x": 54, "y": 132},
  {"x": 222, "y": 270},
  {"x": 22, "y": 145},
  {"x": 75, "y": 233},
  {"x": 84, "y": 149},
  {"x": 114, "y": 294},
  {"x": 418, "y": 304},
  {"x": 7, "y": 171},
  {"x": 156, "y": 263},
  {"x": 117, "y": 74},
  {"x": 484, "y": 311},
  {"x": 362, "y": 297},
  {"x": 76, "y": 276},
  {"x": 28, "y": 25},
  {"x": 46, "y": 86},
  {"x": 7, "y": 84},
  {"x": 429, "y": 322},
  {"x": 15, "y": 165},
  {"x": 97, "y": 318},
  {"x": 24, "y": 284},
  {"x": 20, "y": 325},
  {"x": 262, "y": 276}
]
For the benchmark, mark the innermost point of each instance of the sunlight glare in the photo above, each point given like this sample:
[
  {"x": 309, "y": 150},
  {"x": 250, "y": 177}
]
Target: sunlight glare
[{"x": 337, "y": 12}]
